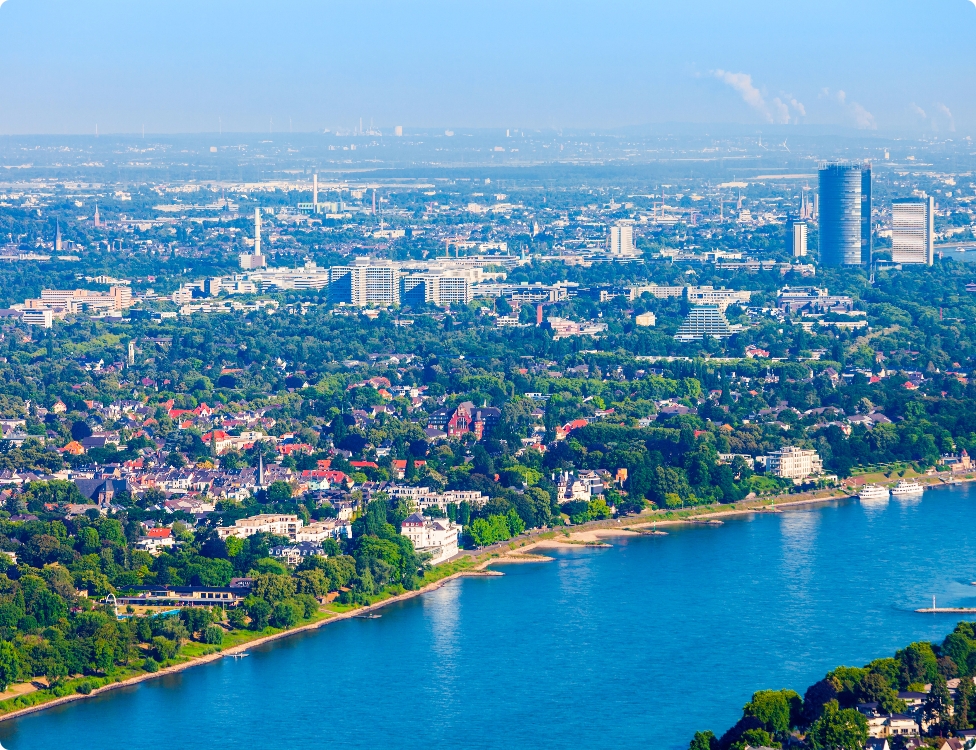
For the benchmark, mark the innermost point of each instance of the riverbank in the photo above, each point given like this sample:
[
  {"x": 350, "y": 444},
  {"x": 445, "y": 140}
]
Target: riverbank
[
  {"x": 326, "y": 618},
  {"x": 516, "y": 551}
]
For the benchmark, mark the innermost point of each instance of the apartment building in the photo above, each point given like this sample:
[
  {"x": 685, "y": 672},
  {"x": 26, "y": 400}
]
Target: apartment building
[
  {"x": 794, "y": 463},
  {"x": 267, "y": 523},
  {"x": 363, "y": 285}
]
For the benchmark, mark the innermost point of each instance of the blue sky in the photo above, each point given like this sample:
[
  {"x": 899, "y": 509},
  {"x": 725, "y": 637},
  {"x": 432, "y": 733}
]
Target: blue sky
[{"x": 898, "y": 66}]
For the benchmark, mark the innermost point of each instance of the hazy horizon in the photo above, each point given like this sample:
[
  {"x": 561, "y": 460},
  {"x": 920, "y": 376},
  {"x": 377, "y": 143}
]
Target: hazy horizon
[{"x": 900, "y": 66}]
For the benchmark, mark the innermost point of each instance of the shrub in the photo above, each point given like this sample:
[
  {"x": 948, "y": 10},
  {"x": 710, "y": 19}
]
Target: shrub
[
  {"x": 164, "y": 648},
  {"x": 84, "y": 687},
  {"x": 213, "y": 635},
  {"x": 285, "y": 614},
  {"x": 237, "y": 618},
  {"x": 150, "y": 665}
]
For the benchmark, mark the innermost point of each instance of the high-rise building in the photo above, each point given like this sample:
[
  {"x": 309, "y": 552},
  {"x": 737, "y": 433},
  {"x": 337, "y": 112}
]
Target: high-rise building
[
  {"x": 845, "y": 214},
  {"x": 365, "y": 284},
  {"x": 913, "y": 230},
  {"x": 621, "y": 240},
  {"x": 315, "y": 193},
  {"x": 398, "y": 130},
  {"x": 437, "y": 288},
  {"x": 799, "y": 236}
]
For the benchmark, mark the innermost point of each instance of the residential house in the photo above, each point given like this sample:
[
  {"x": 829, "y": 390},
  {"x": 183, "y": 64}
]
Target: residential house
[
  {"x": 156, "y": 540},
  {"x": 293, "y": 554}
]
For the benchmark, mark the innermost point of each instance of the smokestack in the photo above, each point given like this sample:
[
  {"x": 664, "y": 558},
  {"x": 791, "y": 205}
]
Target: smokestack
[
  {"x": 315, "y": 193},
  {"x": 257, "y": 231}
]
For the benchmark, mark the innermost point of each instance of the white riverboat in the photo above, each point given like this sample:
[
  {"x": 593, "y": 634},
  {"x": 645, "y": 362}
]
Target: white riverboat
[
  {"x": 873, "y": 493},
  {"x": 907, "y": 487}
]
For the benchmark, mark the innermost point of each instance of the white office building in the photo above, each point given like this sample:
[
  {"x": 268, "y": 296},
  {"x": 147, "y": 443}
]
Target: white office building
[
  {"x": 913, "y": 230},
  {"x": 437, "y": 288},
  {"x": 799, "y": 239},
  {"x": 365, "y": 285},
  {"x": 39, "y": 317},
  {"x": 621, "y": 240}
]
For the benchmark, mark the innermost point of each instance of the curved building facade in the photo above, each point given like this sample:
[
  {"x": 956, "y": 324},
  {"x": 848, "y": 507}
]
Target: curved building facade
[{"x": 845, "y": 215}]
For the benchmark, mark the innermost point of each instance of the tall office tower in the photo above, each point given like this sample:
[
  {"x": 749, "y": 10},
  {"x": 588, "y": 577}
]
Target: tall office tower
[
  {"x": 315, "y": 193},
  {"x": 398, "y": 130},
  {"x": 913, "y": 230},
  {"x": 799, "y": 234},
  {"x": 621, "y": 240},
  {"x": 867, "y": 235},
  {"x": 845, "y": 215}
]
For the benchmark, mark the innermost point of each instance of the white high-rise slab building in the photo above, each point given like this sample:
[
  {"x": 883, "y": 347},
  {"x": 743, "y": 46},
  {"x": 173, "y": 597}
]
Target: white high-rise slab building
[
  {"x": 913, "y": 230},
  {"x": 365, "y": 284},
  {"x": 799, "y": 239},
  {"x": 621, "y": 241}
]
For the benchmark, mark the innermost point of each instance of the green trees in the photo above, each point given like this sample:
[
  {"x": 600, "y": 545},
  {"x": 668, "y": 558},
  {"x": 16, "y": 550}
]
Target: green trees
[
  {"x": 9, "y": 665},
  {"x": 778, "y": 710},
  {"x": 485, "y": 531},
  {"x": 827, "y": 715},
  {"x": 703, "y": 741},
  {"x": 838, "y": 729}
]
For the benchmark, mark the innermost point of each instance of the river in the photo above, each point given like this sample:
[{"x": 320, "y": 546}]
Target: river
[{"x": 632, "y": 646}]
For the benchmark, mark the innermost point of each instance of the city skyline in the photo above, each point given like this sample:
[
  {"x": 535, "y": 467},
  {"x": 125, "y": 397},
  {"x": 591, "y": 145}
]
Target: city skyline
[{"x": 892, "y": 67}]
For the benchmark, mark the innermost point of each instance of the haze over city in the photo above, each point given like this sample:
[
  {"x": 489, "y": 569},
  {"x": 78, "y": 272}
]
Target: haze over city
[{"x": 67, "y": 66}]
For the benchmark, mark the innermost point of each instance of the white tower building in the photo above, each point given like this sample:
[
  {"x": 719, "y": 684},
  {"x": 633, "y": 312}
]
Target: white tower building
[
  {"x": 799, "y": 239},
  {"x": 913, "y": 230},
  {"x": 621, "y": 240}
]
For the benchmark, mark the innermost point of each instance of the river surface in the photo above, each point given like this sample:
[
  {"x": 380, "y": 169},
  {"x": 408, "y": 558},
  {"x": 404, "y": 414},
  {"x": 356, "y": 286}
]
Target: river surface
[{"x": 633, "y": 646}]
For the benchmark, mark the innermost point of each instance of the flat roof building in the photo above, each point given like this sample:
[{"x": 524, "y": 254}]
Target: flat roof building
[
  {"x": 845, "y": 214},
  {"x": 913, "y": 230}
]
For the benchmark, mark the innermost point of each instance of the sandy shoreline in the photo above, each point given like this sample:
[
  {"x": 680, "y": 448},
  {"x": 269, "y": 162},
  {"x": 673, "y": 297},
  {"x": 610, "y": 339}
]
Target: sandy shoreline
[
  {"x": 477, "y": 572},
  {"x": 519, "y": 555}
]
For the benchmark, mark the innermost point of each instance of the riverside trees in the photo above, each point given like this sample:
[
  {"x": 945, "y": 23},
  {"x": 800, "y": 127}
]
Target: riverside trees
[{"x": 826, "y": 718}]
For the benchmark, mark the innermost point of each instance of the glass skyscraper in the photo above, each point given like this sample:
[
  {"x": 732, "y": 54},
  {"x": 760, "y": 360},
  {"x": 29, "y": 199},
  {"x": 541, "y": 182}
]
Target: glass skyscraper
[{"x": 845, "y": 214}]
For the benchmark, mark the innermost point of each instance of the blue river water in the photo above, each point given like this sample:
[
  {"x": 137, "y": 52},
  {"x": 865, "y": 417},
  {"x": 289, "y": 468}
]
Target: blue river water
[{"x": 632, "y": 646}]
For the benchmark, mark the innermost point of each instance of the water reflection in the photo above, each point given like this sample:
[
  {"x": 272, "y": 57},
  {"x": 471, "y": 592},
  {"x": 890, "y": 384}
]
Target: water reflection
[{"x": 442, "y": 607}]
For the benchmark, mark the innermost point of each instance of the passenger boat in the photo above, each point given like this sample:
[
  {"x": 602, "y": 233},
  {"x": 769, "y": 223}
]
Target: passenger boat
[
  {"x": 873, "y": 492},
  {"x": 907, "y": 487}
]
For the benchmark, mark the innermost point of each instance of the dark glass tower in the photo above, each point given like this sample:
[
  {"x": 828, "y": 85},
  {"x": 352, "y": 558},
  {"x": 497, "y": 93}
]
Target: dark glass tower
[{"x": 845, "y": 215}]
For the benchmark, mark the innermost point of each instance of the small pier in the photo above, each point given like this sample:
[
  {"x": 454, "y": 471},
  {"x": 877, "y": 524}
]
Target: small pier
[{"x": 934, "y": 610}]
